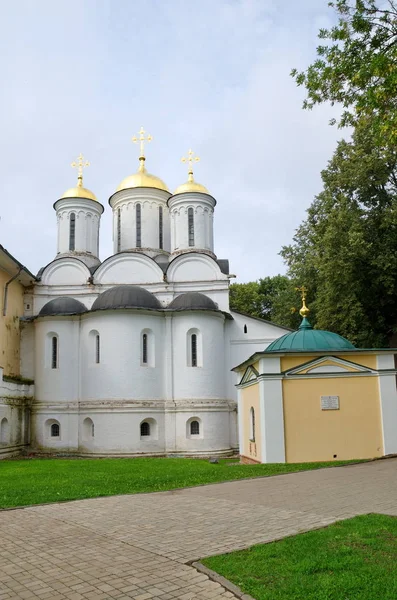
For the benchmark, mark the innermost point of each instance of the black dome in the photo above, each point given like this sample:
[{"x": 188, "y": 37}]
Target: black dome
[
  {"x": 126, "y": 296},
  {"x": 193, "y": 300},
  {"x": 62, "y": 306}
]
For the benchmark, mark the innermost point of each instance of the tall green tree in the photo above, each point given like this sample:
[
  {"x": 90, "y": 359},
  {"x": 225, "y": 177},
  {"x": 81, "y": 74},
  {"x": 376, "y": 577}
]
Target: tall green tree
[
  {"x": 356, "y": 66},
  {"x": 346, "y": 249},
  {"x": 271, "y": 298}
]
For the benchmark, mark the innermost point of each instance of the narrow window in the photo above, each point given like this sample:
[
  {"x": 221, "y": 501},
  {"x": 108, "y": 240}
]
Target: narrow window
[
  {"x": 97, "y": 349},
  {"x": 160, "y": 227},
  {"x": 54, "y": 353},
  {"x": 252, "y": 424},
  {"x": 245, "y": 329},
  {"x": 190, "y": 217},
  {"x": 194, "y": 428},
  {"x": 144, "y": 349},
  {"x": 194, "y": 349},
  {"x": 55, "y": 430},
  {"x": 93, "y": 430},
  {"x": 72, "y": 231},
  {"x": 138, "y": 226},
  {"x": 118, "y": 230},
  {"x": 145, "y": 429}
]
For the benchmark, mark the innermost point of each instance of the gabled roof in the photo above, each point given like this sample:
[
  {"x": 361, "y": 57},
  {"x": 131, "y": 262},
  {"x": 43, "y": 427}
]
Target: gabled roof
[{"x": 10, "y": 264}]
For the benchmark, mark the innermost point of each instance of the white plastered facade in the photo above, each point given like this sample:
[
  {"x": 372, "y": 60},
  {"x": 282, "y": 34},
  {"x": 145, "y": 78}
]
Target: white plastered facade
[{"x": 103, "y": 386}]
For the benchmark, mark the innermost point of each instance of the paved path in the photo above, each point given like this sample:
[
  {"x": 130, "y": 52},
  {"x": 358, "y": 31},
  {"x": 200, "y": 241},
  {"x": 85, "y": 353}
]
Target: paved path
[{"x": 138, "y": 546}]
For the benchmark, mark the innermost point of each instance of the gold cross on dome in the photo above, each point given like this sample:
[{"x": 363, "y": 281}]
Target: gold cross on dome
[
  {"x": 303, "y": 291},
  {"x": 190, "y": 159},
  {"x": 80, "y": 164},
  {"x": 143, "y": 137}
]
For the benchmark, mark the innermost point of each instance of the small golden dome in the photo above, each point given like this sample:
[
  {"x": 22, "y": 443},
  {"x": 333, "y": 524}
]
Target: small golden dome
[
  {"x": 79, "y": 192},
  {"x": 191, "y": 186},
  {"x": 142, "y": 179}
]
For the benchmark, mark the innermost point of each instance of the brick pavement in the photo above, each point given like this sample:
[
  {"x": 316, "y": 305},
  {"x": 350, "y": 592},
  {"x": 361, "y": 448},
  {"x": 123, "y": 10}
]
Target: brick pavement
[{"x": 138, "y": 546}]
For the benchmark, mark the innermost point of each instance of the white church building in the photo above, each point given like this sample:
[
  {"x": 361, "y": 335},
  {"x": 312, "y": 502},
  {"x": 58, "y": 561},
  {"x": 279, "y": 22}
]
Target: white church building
[{"x": 133, "y": 355}]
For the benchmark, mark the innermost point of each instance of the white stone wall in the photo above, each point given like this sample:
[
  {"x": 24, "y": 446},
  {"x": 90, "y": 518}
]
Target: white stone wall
[
  {"x": 15, "y": 402},
  {"x": 88, "y": 215},
  {"x": 150, "y": 200},
  {"x": 203, "y": 215}
]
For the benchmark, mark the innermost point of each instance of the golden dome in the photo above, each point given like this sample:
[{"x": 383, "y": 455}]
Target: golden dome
[
  {"x": 142, "y": 179},
  {"x": 79, "y": 192},
  {"x": 191, "y": 186}
]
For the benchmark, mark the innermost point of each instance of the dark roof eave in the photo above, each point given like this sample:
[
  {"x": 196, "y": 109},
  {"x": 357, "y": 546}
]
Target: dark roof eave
[{"x": 17, "y": 263}]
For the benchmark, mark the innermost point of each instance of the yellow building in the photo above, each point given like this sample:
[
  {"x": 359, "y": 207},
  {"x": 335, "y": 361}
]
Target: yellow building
[
  {"x": 14, "y": 279},
  {"x": 312, "y": 396}
]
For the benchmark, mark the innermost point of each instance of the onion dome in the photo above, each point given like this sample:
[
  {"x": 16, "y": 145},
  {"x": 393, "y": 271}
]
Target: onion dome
[
  {"x": 193, "y": 301},
  {"x": 126, "y": 296},
  {"x": 142, "y": 178},
  {"x": 307, "y": 339},
  {"x": 191, "y": 185},
  {"x": 62, "y": 306},
  {"x": 79, "y": 191}
]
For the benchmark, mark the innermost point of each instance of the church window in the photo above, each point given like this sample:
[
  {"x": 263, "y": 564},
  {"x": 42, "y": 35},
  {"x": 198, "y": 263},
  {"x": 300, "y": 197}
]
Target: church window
[
  {"x": 252, "y": 424},
  {"x": 138, "y": 226},
  {"x": 145, "y": 429},
  {"x": 97, "y": 349},
  {"x": 54, "y": 352},
  {"x": 118, "y": 230},
  {"x": 245, "y": 329},
  {"x": 190, "y": 217},
  {"x": 88, "y": 429},
  {"x": 160, "y": 227},
  {"x": 194, "y": 428},
  {"x": 144, "y": 349},
  {"x": 72, "y": 231},
  {"x": 4, "y": 431},
  {"x": 55, "y": 430},
  {"x": 194, "y": 349}
]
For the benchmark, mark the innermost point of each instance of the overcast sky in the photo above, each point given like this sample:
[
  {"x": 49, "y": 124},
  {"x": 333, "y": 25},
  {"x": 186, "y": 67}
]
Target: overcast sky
[{"x": 213, "y": 75}]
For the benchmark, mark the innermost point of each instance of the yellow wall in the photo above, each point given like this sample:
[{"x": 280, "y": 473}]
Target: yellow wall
[
  {"x": 250, "y": 397},
  {"x": 9, "y": 325},
  {"x": 366, "y": 360},
  {"x": 353, "y": 431}
]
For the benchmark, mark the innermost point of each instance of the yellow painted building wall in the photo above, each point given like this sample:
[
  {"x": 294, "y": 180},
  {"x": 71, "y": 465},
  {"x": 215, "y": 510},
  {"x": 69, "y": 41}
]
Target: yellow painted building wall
[
  {"x": 353, "y": 431},
  {"x": 9, "y": 325},
  {"x": 366, "y": 360},
  {"x": 250, "y": 398}
]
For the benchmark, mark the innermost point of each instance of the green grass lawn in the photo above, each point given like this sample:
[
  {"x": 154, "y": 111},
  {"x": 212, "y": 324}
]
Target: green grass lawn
[
  {"x": 355, "y": 559},
  {"x": 35, "y": 481}
]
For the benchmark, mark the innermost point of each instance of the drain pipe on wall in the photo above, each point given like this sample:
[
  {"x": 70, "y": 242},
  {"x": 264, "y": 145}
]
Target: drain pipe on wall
[{"x": 6, "y": 291}]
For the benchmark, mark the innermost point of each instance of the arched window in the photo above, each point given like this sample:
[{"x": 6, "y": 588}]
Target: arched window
[
  {"x": 145, "y": 428},
  {"x": 160, "y": 227},
  {"x": 55, "y": 430},
  {"x": 252, "y": 424},
  {"x": 144, "y": 349},
  {"x": 193, "y": 342},
  {"x": 4, "y": 431},
  {"x": 194, "y": 428},
  {"x": 54, "y": 352},
  {"x": 190, "y": 217},
  {"x": 97, "y": 349},
  {"x": 88, "y": 429},
  {"x": 118, "y": 230},
  {"x": 138, "y": 226},
  {"x": 245, "y": 329},
  {"x": 72, "y": 231}
]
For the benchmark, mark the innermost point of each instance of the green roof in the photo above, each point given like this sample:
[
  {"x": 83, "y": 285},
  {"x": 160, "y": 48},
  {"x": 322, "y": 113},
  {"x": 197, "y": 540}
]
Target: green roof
[{"x": 307, "y": 338}]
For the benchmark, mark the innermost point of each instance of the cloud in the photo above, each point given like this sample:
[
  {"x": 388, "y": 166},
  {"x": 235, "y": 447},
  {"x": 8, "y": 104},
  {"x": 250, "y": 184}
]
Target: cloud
[{"x": 214, "y": 76}]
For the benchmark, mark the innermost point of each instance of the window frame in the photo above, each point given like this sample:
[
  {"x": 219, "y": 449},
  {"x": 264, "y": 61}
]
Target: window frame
[
  {"x": 138, "y": 219},
  {"x": 56, "y": 427},
  {"x": 54, "y": 352},
  {"x": 193, "y": 350},
  {"x": 190, "y": 226},
  {"x": 72, "y": 232},
  {"x": 161, "y": 224},
  {"x": 145, "y": 429},
  {"x": 97, "y": 349},
  {"x": 118, "y": 230}
]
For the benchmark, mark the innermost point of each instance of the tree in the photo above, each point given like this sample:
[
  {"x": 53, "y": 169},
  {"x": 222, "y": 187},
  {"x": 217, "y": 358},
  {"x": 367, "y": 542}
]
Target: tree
[
  {"x": 357, "y": 67},
  {"x": 346, "y": 249},
  {"x": 271, "y": 298}
]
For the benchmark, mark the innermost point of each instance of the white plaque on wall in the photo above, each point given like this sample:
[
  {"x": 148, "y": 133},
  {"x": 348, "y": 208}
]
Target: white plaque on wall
[{"x": 329, "y": 402}]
